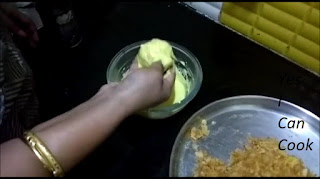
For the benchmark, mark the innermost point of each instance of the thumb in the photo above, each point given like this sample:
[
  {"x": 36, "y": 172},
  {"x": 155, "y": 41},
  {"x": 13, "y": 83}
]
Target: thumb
[
  {"x": 134, "y": 65},
  {"x": 168, "y": 81}
]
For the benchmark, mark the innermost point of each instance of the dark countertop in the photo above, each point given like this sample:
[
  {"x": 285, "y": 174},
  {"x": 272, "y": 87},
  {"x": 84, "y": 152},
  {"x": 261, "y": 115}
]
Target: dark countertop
[{"x": 232, "y": 65}]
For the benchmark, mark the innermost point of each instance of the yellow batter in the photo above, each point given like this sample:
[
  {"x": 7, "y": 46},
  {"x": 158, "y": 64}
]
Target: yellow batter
[
  {"x": 160, "y": 50},
  {"x": 156, "y": 50},
  {"x": 179, "y": 91}
]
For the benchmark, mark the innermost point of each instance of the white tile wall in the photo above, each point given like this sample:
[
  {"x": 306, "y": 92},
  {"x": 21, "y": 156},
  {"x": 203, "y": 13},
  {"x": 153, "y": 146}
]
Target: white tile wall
[{"x": 208, "y": 9}]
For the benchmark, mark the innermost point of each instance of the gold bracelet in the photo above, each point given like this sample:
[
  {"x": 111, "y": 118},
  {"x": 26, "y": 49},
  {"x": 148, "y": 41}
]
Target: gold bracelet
[{"x": 43, "y": 154}]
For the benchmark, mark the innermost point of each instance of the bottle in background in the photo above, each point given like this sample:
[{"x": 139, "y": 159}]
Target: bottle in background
[{"x": 62, "y": 19}]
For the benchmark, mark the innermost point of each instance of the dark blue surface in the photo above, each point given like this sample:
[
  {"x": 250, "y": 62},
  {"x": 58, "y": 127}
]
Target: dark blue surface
[{"x": 232, "y": 65}]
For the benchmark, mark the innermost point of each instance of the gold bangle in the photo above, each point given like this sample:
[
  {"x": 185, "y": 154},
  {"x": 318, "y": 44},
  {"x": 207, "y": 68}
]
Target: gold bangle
[{"x": 43, "y": 154}]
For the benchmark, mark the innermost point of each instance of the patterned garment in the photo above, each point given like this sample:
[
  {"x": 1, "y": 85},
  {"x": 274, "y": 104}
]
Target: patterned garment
[{"x": 18, "y": 102}]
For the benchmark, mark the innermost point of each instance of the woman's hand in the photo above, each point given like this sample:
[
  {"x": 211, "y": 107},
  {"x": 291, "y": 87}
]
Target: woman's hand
[
  {"x": 141, "y": 88},
  {"x": 18, "y": 24},
  {"x": 147, "y": 87}
]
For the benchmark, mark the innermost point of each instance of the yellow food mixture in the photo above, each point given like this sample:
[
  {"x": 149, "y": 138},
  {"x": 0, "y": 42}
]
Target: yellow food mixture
[
  {"x": 160, "y": 50},
  {"x": 200, "y": 132},
  {"x": 260, "y": 157},
  {"x": 179, "y": 90},
  {"x": 156, "y": 50}
]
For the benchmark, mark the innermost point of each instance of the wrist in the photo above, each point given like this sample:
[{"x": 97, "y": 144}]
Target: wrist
[
  {"x": 126, "y": 99},
  {"x": 115, "y": 97}
]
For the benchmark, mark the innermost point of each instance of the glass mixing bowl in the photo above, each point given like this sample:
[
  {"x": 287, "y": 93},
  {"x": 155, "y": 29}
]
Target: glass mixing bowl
[{"x": 186, "y": 63}]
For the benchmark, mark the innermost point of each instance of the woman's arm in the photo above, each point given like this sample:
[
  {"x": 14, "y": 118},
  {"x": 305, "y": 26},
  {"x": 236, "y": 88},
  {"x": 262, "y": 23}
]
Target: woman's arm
[{"x": 73, "y": 135}]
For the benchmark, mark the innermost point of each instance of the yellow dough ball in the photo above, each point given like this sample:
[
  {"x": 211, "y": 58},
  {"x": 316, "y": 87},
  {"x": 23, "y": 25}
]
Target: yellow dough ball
[{"x": 156, "y": 50}]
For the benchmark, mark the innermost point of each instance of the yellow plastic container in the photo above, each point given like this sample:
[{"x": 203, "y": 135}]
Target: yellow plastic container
[{"x": 288, "y": 28}]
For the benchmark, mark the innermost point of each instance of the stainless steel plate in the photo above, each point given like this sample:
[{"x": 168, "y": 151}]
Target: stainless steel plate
[{"x": 233, "y": 119}]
